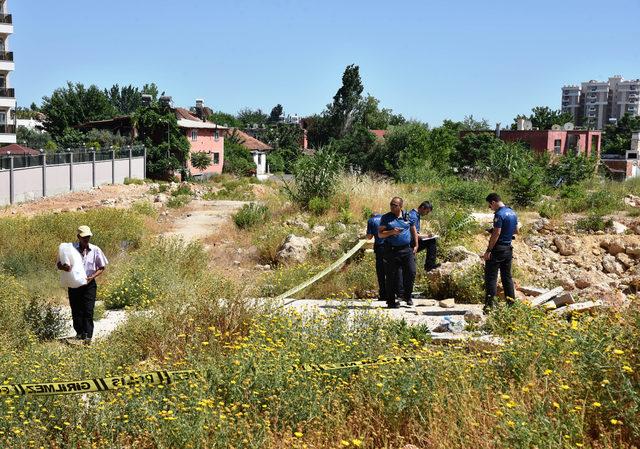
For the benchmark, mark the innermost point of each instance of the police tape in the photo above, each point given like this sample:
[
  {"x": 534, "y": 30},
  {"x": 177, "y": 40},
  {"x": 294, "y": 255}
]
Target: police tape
[{"x": 98, "y": 384}]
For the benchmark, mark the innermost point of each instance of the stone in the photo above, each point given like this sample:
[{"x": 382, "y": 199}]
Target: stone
[
  {"x": 554, "y": 248},
  {"x": 160, "y": 198},
  {"x": 610, "y": 265},
  {"x": 532, "y": 291},
  {"x": 616, "y": 248},
  {"x": 633, "y": 251},
  {"x": 300, "y": 223},
  {"x": 632, "y": 200},
  {"x": 471, "y": 316},
  {"x": 567, "y": 283},
  {"x": 318, "y": 229},
  {"x": 580, "y": 307},
  {"x": 625, "y": 260},
  {"x": 563, "y": 300},
  {"x": 583, "y": 282},
  {"x": 540, "y": 223},
  {"x": 566, "y": 245},
  {"x": 448, "y": 303},
  {"x": 236, "y": 263},
  {"x": 618, "y": 228},
  {"x": 294, "y": 249}
]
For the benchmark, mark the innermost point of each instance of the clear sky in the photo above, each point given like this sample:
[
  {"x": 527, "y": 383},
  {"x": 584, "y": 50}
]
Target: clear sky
[{"x": 427, "y": 59}]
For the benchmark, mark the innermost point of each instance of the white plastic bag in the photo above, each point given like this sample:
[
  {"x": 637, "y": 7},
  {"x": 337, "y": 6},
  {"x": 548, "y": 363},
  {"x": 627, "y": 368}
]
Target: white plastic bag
[{"x": 68, "y": 255}]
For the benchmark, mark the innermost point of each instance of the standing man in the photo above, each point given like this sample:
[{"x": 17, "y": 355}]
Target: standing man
[
  {"x": 378, "y": 248},
  {"x": 499, "y": 252},
  {"x": 425, "y": 241},
  {"x": 398, "y": 231},
  {"x": 83, "y": 299}
]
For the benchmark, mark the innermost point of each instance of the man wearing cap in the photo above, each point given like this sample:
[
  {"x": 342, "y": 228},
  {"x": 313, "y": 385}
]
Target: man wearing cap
[{"x": 83, "y": 299}]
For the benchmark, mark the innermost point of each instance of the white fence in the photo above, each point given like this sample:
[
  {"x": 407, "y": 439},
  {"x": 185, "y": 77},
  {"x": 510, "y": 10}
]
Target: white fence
[{"x": 26, "y": 178}]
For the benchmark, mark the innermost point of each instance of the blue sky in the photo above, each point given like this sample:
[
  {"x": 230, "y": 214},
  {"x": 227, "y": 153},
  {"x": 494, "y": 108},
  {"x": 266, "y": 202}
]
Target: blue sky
[{"x": 427, "y": 59}]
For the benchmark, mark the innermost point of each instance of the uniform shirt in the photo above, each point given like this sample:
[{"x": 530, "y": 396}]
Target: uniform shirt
[
  {"x": 415, "y": 216},
  {"x": 404, "y": 222},
  {"x": 507, "y": 220},
  {"x": 372, "y": 228},
  {"x": 93, "y": 260}
]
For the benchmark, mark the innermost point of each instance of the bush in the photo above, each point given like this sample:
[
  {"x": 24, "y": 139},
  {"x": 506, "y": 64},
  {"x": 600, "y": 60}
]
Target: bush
[
  {"x": 144, "y": 208},
  {"x": 593, "y": 222},
  {"x": 134, "y": 181},
  {"x": 318, "y": 206},
  {"x": 526, "y": 187},
  {"x": 44, "y": 320},
  {"x": 550, "y": 210},
  {"x": 183, "y": 189},
  {"x": 251, "y": 215},
  {"x": 200, "y": 160},
  {"x": 464, "y": 193},
  {"x": 238, "y": 160},
  {"x": 571, "y": 169},
  {"x": 315, "y": 176},
  {"x": 176, "y": 202}
]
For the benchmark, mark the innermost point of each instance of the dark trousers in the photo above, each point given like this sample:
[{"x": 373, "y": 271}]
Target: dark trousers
[
  {"x": 432, "y": 251},
  {"x": 380, "y": 273},
  {"x": 396, "y": 259},
  {"x": 82, "y": 301},
  {"x": 501, "y": 257}
]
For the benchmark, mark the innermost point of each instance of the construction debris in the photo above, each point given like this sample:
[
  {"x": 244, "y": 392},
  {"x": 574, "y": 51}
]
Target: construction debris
[
  {"x": 539, "y": 300},
  {"x": 580, "y": 307}
]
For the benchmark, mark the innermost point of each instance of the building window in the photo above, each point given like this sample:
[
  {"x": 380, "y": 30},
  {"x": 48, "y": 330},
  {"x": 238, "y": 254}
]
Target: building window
[
  {"x": 259, "y": 159},
  {"x": 216, "y": 135},
  {"x": 557, "y": 146},
  {"x": 216, "y": 158},
  {"x": 194, "y": 134}
]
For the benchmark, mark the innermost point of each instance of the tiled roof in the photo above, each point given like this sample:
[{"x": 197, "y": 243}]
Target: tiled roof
[
  {"x": 379, "y": 133},
  {"x": 16, "y": 149},
  {"x": 247, "y": 141},
  {"x": 187, "y": 120}
]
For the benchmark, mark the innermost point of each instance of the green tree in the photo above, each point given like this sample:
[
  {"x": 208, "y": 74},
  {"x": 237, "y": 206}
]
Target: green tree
[
  {"x": 237, "y": 159},
  {"x": 617, "y": 137},
  {"x": 472, "y": 153},
  {"x": 372, "y": 117},
  {"x": 276, "y": 112},
  {"x": 151, "y": 89},
  {"x": 70, "y": 138},
  {"x": 316, "y": 176},
  {"x": 75, "y": 104},
  {"x": 471, "y": 124},
  {"x": 357, "y": 148},
  {"x": 543, "y": 117},
  {"x": 249, "y": 117},
  {"x": 125, "y": 100},
  {"x": 571, "y": 169},
  {"x": 225, "y": 119},
  {"x": 32, "y": 138},
  {"x": 526, "y": 185},
  {"x": 343, "y": 111},
  {"x": 167, "y": 146},
  {"x": 200, "y": 160}
]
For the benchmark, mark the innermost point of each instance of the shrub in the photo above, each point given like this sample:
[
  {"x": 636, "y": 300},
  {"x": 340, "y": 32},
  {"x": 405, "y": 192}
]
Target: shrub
[
  {"x": 144, "y": 208},
  {"x": 345, "y": 216},
  {"x": 176, "y": 202},
  {"x": 571, "y": 169},
  {"x": 134, "y": 181},
  {"x": 251, "y": 215},
  {"x": 44, "y": 320},
  {"x": 200, "y": 160},
  {"x": 452, "y": 224},
  {"x": 183, "y": 189},
  {"x": 550, "y": 210},
  {"x": 464, "y": 193},
  {"x": 593, "y": 222},
  {"x": 319, "y": 206},
  {"x": 526, "y": 187},
  {"x": 238, "y": 160},
  {"x": 315, "y": 176}
]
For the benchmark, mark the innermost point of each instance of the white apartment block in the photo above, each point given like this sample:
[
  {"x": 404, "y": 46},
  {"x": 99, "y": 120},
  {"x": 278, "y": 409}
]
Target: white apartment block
[
  {"x": 7, "y": 66},
  {"x": 597, "y": 103}
]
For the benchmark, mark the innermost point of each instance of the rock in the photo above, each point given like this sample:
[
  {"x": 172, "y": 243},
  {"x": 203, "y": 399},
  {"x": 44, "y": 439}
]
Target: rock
[
  {"x": 616, "y": 248},
  {"x": 610, "y": 265},
  {"x": 459, "y": 254},
  {"x": 448, "y": 303},
  {"x": 318, "y": 229},
  {"x": 566, "y": 245},
  {"x": 633, "y": 251},
  {"x": 300, "y": 223},
  {"x": 532, "y": 291},
  {"x": 554, "y": 248},
  {"x": 563, "y": 300},
  {"x": 294, "y": 249},
  {"x": 632, "y": 200},
  {"x": 618, "y": 228},
  {"x": 236, "y": 263},
  {"x": 625, "y": 260},
  {"x": 583, "y": 282},
  {"x": 540, "y": 223},
  {"x": 160, "y": 198},
  {"x": 263, "y": 267},
  {"x": 567, "y": 283},
  {"x": 471, "y": 316}
]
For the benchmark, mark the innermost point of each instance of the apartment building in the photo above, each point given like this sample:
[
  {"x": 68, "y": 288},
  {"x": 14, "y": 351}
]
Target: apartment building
[
  {"x": 597, "y": 103},
  {"x": 7, "y": 66}
]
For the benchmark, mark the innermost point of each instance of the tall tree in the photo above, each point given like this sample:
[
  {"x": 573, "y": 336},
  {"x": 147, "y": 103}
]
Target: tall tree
[
  {"x": 276, "y": 112},
  {"x": 75, "y": 104},
  {"x": 471, "y": 124},
  {"x": 225, "y": 119},
  {"x": 151, "y": 89},
  {"x": 248, "y": 116},
  {"x": 617, "y": 138},
  {"x": 373, "y": 117},
  {"x": 343, "y": 111},
  {"x": 125, "y": 100}
]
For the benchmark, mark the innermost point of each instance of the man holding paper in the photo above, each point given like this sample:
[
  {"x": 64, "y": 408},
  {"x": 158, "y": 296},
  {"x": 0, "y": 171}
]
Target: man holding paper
[{"x": 426, "y": 240}]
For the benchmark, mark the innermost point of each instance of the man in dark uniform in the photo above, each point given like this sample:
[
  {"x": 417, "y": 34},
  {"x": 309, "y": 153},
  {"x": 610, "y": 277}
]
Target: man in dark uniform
[
  {"x": 499, "y": 254},
  {"x": 378, "y": 248},
  {"x": 398, "y": 231},
  {"x": 427, "y": 240}
]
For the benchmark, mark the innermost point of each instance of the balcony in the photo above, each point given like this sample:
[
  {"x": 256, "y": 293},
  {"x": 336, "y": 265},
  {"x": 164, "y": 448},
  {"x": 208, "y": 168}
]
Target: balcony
[
  {"x": 6, "y": 24},
  {"x": 6, "y": 61}
]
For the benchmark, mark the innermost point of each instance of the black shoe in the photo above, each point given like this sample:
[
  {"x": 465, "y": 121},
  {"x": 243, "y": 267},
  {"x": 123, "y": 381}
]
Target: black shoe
[
  {"x": 393, "y": 305},
  {"x": 409, "y": 302},
  {"x": 427, "y": 269}
]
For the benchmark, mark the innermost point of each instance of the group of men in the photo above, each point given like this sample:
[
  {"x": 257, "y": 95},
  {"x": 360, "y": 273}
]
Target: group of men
[{"x": 398, "y": 238}]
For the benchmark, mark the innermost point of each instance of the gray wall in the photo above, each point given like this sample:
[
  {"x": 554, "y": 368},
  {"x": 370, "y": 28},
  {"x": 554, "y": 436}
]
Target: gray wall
[{"x": 26, "y": 184}]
